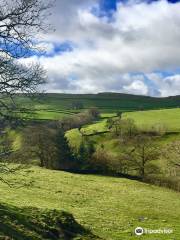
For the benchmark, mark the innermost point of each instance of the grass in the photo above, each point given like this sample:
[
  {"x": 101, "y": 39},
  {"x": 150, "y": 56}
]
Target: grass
[
  {"x": 55, "y": 106},
  {"x": 169, "y": 118},
  {"x": 50, "y": 115},
  {"x": 95, "y": 128},
  {"x": 110, "y": 207},
  {"x": 74, "y": 137},
  {"x": 145, "y": 120},
  {"x": 36, "y": 224}
]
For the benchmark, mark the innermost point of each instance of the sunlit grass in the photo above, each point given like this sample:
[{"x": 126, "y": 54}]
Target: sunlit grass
[
  {"x": 168, "y": 118},
  {"x": 110, "y": 207}
]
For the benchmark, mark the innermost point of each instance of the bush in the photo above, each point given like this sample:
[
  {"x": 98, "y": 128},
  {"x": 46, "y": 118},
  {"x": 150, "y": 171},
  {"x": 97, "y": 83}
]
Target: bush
[
  {"x": 163, "y": 181},
  {"x": 84, "y": 155},
  {"x": 101, "y": 161},
  {"x": 158, "y": 129},
  {"x": 80, "y": 119}
]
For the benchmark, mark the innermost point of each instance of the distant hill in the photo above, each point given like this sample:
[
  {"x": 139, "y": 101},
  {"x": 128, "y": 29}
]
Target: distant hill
[
  {"x": 57, "y": 105},
  {"x": 111, "y": 101}
]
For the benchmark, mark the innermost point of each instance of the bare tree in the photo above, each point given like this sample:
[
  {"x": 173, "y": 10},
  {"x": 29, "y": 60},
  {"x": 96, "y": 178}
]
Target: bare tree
[
  {"x": 141, "y": 155},
  {"x": 39, "y": 143},
  {"x": 172, "y": 156},
  {"x": 122, "y": 127},
  {"x": 21, "y": 21}
]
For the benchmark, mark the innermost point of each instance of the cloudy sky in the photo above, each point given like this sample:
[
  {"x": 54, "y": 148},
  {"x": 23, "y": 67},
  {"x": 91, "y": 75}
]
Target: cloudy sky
[{"x": 113, "y": 46}]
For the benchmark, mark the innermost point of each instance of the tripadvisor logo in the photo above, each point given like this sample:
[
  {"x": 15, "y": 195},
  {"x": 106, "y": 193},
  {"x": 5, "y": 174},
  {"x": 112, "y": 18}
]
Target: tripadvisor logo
[{"x": 139, "y": 231}]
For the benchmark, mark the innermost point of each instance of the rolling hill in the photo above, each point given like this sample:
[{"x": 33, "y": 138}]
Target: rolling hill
[{"x": 57, "y": 105}]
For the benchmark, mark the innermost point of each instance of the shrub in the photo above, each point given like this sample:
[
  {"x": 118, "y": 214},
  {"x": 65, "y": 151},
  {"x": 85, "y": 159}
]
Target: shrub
[
  {"x": 163, "y": 181},
  {"x": 101, "y": 161}
]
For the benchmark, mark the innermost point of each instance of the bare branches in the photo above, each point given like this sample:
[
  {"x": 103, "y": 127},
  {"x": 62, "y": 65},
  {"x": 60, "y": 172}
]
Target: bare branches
[
  {"x": 17, "y": 78},
  {"x": 20, "y": 21}
]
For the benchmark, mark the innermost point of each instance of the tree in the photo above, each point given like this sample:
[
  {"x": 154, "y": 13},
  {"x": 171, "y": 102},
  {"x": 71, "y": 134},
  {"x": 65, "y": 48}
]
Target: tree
[
  {"x": 122, "y": 127},
  {"x": 159, "y": 129},
  {"x": 119, "y": 114},
  {"x": 85, "y": 153},
  {"x": 77, "y": 105},
  {"x": 20, "y": 22},
  {"x": 114, "y": 125},
  {"x": 101, "y": 161},
  {"x": 38, "y": 143},
  {"x": 172, "y": 156},
  {"x": 82, "y": 156},
  {"x": 49, "y": 145},
  {"x": 65, "y": 158},
  {"x": 5, "y": 150},
  {"x": 141, "y": 155},
  {"x": 94, "y": 112}
]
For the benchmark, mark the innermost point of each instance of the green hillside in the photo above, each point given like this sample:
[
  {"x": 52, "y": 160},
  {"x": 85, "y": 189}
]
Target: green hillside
[
  {"x": 109, "y": 207},
  {"x": 167, "y": 118},
  {"x": 42, "y": 200},
  {"x": 55, "y": 106}
]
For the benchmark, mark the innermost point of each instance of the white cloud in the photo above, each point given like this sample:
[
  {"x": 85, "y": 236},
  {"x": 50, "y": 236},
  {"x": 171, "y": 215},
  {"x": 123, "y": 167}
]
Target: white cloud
[
  {"x": 137, "y": 87},
  {"x": 140, "y": 38},
  {"x": 167, "y": 85}
]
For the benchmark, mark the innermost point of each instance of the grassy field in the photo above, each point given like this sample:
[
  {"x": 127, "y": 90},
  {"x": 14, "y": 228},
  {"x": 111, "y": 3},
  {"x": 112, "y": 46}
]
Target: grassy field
[
  {"x": 145, "y": 120},
  {"x": 169, "y": 118},
  {"x": 55, "y": 106},
  {"x": 110, "y": 207},
  {"x": 30, "y": 223},
  {"x": 98, "y": 127},
  {"x": 98, "y": 132}
]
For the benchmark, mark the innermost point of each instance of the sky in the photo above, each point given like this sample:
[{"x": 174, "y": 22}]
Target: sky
[{"x": 112, "y": 46}]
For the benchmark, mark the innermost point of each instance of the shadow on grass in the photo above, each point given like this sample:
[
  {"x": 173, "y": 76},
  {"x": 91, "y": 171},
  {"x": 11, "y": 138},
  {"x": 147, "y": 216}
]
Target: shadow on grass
[
  {"x": 104, "y": 174},
  {"x": 35, "y": 224}
]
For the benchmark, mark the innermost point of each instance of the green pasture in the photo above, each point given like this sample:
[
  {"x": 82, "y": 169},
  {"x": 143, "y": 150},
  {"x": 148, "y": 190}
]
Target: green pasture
[
  {"x": 30, "y": 223},
  {"x": 54, "y": 106},
  {"x": 110, "y": 207},
  {"x": 95, "y": 128},
  {"x": 167, "y": 118}
]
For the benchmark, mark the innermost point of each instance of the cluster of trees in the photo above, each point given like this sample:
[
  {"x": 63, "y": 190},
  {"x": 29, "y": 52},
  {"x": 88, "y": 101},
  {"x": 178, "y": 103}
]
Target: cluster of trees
[
  {"x": 172, "y": 154},
  {"x": 122, "y": 127},
  {"x": 138, "y": 154},
  {"x": 138, "y": 158},
  {"x": 80, "y": 119},
  {"x": 48, "y": 146},
  {"x": 76, "y": 105}
]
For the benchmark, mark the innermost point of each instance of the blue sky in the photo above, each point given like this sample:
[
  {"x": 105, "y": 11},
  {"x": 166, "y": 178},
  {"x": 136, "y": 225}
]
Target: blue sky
[
  {"x": 108, "y": 5},
  {"x": 111, "y": 45}
]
